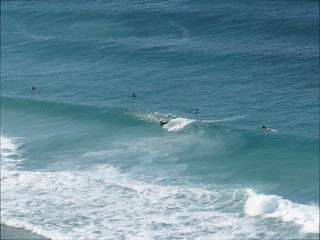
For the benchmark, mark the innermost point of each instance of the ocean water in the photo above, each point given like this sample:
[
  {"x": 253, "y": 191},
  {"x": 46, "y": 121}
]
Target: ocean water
[{"x": 82, "y": 159}]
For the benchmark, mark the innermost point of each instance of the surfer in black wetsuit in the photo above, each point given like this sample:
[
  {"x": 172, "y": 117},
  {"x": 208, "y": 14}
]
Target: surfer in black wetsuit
[
  {"x": 163, "y": 123},
  {"x": 133, "y": 95},
  {"x": 195, "y": 111},
  {"x": 33, "y": 88},
  {"x": 263, "y": 127}
]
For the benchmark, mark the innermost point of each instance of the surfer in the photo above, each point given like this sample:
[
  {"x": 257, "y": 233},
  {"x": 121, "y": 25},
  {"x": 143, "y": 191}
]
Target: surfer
[
  {"x": 163, "y": 123},
  {"x": 195, "y": 111},
  {"x": 33, "y": 88},
  {"x": 133, "y": 95},
  {"x": 269, "y": 129}
]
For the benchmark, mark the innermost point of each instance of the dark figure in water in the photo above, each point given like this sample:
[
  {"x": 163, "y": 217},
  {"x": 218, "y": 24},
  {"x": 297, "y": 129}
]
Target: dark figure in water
[
  {"x": 163, "y": 123},
  {"x": 33, "y": 88},
  {"x": 133, "y": 95},
  {"x": 195, "y": 111},
  {"x": 263, "y": 127}
]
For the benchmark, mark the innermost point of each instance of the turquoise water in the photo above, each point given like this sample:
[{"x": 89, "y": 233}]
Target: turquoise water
[{"x": 82, "y": 159}]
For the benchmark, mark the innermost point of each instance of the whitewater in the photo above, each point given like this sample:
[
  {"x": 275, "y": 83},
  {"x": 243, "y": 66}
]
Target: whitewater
[{"x": 105, "y": 202}]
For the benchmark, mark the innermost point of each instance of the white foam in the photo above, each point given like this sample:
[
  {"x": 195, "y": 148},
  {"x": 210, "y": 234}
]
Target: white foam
[
  {"x": 273, "y": 130},
  {"x": 10, "y": 153},
  {"x": 101, "y": 201},
  {"x": 9, "y": 146},
  {"x": 174, "y": 123},
  {"x": 274, "y": 206},
  {"x": 37, "y": 230},
  {"x": 177, "y": 124}
]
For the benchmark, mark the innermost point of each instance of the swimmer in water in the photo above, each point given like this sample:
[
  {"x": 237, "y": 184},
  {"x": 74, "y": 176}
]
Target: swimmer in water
[
  {"x": 264, "y": 128},
  {"x": 33, "y": 88},
  {"x": 195, "y": 111},
  {"x": 133, "y": 95}
]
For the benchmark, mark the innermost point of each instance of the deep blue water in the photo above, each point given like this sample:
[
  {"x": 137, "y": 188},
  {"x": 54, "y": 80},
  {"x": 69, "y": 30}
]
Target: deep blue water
[{"x": 83, "y": 159}]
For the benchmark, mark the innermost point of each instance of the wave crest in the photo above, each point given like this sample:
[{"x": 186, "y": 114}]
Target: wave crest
[{"x": 276, "y": 207}]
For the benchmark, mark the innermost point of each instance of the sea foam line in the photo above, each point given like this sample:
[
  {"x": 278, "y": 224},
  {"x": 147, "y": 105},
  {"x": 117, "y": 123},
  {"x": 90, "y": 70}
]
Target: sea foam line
[
  {"x": 179, "y": 123},
  {"x": 226, "y": 119}
]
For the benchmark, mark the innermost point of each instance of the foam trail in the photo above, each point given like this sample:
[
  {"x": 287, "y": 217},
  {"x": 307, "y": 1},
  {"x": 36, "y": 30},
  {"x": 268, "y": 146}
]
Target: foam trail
[
  {"x": 273, "y": 130},
  {"x": 179, "y": 123},
  {"x": 274, "y": 206},
  {"x": 225, "y": 119}
]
